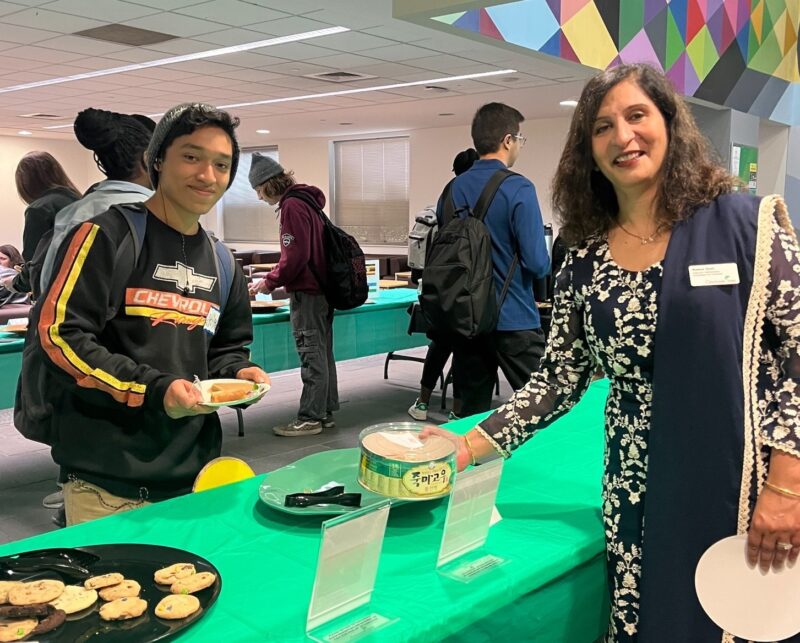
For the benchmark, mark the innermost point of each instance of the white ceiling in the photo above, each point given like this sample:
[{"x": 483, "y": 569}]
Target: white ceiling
[{"x": 36, "y": 44}]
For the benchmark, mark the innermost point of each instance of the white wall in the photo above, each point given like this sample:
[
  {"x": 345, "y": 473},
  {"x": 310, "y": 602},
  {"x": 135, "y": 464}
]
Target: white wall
[
  {"x": 76, "y": 160},
  {"x": 432, "y": 151},
  {"x": 773, "y": 145}
]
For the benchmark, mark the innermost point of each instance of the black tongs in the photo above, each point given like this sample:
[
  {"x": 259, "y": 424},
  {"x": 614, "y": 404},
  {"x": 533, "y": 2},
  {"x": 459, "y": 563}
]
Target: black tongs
[
  {"x": 67, "y": 562},
  {"x": 332, "y": 496}
]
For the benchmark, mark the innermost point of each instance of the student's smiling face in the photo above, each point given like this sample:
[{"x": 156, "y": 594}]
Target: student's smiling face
[{"x": 196, "y": 169}]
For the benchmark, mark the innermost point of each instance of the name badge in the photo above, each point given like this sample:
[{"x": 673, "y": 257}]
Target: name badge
[
  {"x": 714, "y": 274},
  {"x": 212, "y": 319}
]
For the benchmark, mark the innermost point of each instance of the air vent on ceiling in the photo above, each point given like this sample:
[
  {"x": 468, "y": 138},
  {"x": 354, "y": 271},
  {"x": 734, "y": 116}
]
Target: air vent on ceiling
[
  {"x": 47, "y": 117},
  {"x": 125, "y": 35},
  {"x": 339, "y": 76}
]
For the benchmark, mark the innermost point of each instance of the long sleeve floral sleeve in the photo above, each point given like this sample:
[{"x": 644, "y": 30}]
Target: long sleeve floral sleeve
[
  {"x": 780, "y": 426},
  {"x": 563, "y": 376}
]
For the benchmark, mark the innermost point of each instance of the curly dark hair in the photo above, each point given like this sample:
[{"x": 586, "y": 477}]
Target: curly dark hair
[
  {"x": 118, "y": 141},
  {"x": 584, "y": 200}
]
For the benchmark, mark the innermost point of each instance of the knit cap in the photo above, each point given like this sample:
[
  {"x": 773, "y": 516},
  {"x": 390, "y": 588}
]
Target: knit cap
[
  {"x": 170, "y": 120},
  {"x": 263, "y": 168}
]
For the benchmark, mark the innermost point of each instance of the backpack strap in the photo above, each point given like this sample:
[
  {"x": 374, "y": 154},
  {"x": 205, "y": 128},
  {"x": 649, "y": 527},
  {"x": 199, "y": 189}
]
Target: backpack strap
[
  {"x": 487, "y": 196},
  {"x": 135, "y": 216},
  {"x": 311, "y": 202},
  {"x": 480, "y": 211},
  {"x": 226, "y": 266},
  {"x": 449, "y": 207},
  {"x": 130, "y": 249}
]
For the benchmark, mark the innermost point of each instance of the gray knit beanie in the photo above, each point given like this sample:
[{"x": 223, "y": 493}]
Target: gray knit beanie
[
  {"x": 190, "y": 116},
  {"x": 263, "y": 168}
]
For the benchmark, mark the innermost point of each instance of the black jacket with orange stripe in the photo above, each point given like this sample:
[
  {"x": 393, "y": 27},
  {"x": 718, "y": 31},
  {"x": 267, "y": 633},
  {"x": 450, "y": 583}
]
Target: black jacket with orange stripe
[{"x": 117, "y": 352}]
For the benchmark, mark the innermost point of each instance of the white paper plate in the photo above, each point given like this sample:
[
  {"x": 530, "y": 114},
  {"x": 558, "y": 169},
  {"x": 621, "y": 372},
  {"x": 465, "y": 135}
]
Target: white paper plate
[
  {"x": 743, "y": 600},
  {"x": 259, "y": 390}
]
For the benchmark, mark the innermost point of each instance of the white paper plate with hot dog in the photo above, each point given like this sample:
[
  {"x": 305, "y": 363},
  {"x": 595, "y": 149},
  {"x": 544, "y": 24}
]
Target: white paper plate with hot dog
[{"x": 229, "y": 392}]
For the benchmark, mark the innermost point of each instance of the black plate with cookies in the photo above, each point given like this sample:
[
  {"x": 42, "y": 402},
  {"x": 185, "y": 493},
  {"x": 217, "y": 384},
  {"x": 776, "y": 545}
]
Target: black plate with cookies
[{"x": 189, "y": 578}]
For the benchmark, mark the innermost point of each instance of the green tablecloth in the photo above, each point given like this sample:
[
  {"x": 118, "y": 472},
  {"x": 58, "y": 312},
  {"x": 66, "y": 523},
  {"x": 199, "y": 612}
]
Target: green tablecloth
[
  {"x": 552, "y": 589},
  {"x": 370, "y": 329},
  {"x": 367, "y": 330}
]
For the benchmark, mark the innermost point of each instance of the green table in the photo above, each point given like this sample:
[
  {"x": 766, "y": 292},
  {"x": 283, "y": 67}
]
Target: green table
[
  {"x": 10, "y": 365},
  {"x": 370, "y": 329},
  {"x": 552, "y": 589}
]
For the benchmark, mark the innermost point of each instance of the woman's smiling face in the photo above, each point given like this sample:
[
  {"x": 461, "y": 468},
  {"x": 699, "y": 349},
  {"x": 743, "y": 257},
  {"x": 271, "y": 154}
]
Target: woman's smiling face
[{"x": 629, "y": 138}]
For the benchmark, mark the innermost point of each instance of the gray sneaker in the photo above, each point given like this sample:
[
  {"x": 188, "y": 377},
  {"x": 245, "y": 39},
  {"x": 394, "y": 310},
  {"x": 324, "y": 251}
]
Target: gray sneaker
[
  {"x": 54, "y": 501},
  {"x": 298, "y": 427},
  {"x": 328, "y": 422}
]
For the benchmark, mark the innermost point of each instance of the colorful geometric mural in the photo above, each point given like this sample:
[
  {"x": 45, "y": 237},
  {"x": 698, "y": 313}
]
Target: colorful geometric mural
[{"x": 741, "y": 54}]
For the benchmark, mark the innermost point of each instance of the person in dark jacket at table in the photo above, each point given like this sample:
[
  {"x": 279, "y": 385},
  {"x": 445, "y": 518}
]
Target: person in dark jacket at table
[
  {"x": 129, "y": 425},
  {"x": 299, "y": 271},
  {"x": 45, "y": 187}
]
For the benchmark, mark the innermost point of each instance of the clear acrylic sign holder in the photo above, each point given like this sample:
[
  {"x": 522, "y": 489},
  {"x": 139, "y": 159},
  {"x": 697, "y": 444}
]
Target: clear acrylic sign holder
[
  {"x": 466, "y": 527},
  {"x": 346, "y": 570}
]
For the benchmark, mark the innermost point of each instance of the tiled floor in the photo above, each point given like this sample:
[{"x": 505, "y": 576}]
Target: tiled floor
[{"x": 27, "y": 472}]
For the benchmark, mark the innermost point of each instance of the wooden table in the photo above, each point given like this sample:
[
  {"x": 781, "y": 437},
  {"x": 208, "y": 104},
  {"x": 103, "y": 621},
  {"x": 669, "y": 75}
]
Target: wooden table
[
  {"x": 388, "y": 284},
  {"x": 261, "y": 267}
]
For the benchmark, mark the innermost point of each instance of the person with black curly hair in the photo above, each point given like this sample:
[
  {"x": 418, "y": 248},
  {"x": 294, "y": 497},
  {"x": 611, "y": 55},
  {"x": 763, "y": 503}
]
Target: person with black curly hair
[{"x": 119, "y": 142}]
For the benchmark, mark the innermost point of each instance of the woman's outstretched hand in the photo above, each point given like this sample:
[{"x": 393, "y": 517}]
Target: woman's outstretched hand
[{"x": 463, "y": 457}]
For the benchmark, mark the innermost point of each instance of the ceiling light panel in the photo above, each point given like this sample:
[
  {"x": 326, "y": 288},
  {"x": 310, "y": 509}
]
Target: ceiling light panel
[
  {"x": 293, "y": 24},
  {"x": 176, "y": 59},
  {"x": 362, "y": 90}
]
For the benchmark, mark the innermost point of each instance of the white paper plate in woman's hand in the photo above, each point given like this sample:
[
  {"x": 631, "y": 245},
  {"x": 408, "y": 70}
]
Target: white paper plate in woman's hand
[{"x": 743, "y": 600}]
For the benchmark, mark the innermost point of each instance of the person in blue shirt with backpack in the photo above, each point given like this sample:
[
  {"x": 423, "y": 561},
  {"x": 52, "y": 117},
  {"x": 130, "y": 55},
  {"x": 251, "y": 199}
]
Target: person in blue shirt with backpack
[
  {"x": 518, "y": 256},
  {"x": 439, "y": 350},
  {"x": 141, "y": 301}
]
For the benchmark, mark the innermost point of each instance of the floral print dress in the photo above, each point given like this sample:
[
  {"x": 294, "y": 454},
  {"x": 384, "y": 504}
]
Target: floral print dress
[{"x": 610, "y": 323}]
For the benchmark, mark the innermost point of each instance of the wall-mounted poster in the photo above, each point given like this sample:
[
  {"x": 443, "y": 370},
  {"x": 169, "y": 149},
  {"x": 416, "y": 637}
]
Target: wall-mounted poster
[
  {"x": 744, "y": 164},
  {"x": 373, "y": 277}
]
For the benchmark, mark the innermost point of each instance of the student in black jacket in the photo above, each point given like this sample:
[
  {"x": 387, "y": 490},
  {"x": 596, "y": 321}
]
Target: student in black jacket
[
  {"x": 129, "y": 425},
  {"x": 45, "y": 187}
]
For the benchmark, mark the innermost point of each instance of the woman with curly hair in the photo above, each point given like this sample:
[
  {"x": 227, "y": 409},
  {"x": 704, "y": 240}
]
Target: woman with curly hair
[{"x": 685, "y": 293}]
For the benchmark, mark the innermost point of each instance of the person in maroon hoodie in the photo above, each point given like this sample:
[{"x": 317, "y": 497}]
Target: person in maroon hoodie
[{"x": 302, "y": 262}]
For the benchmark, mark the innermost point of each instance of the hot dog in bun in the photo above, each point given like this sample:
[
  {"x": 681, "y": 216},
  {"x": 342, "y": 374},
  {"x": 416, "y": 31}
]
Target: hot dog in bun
[{"x": 230, "y": 392}]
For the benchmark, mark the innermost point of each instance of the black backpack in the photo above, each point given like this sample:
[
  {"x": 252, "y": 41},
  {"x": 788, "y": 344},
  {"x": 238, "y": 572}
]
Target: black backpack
[
  {"x": 458, "y": 293},
  {"x": 33, "y": 407},
  {"x": 345, "y": 281}
]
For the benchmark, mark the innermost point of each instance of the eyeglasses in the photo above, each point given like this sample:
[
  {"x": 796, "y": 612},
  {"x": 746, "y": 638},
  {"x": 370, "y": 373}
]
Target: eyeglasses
[{"x": 520, "y": 138}]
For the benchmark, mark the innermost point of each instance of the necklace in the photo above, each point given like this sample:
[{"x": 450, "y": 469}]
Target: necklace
[
  {"x": 183, "y": 245},
  {"x": 643, "y": 240}
]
